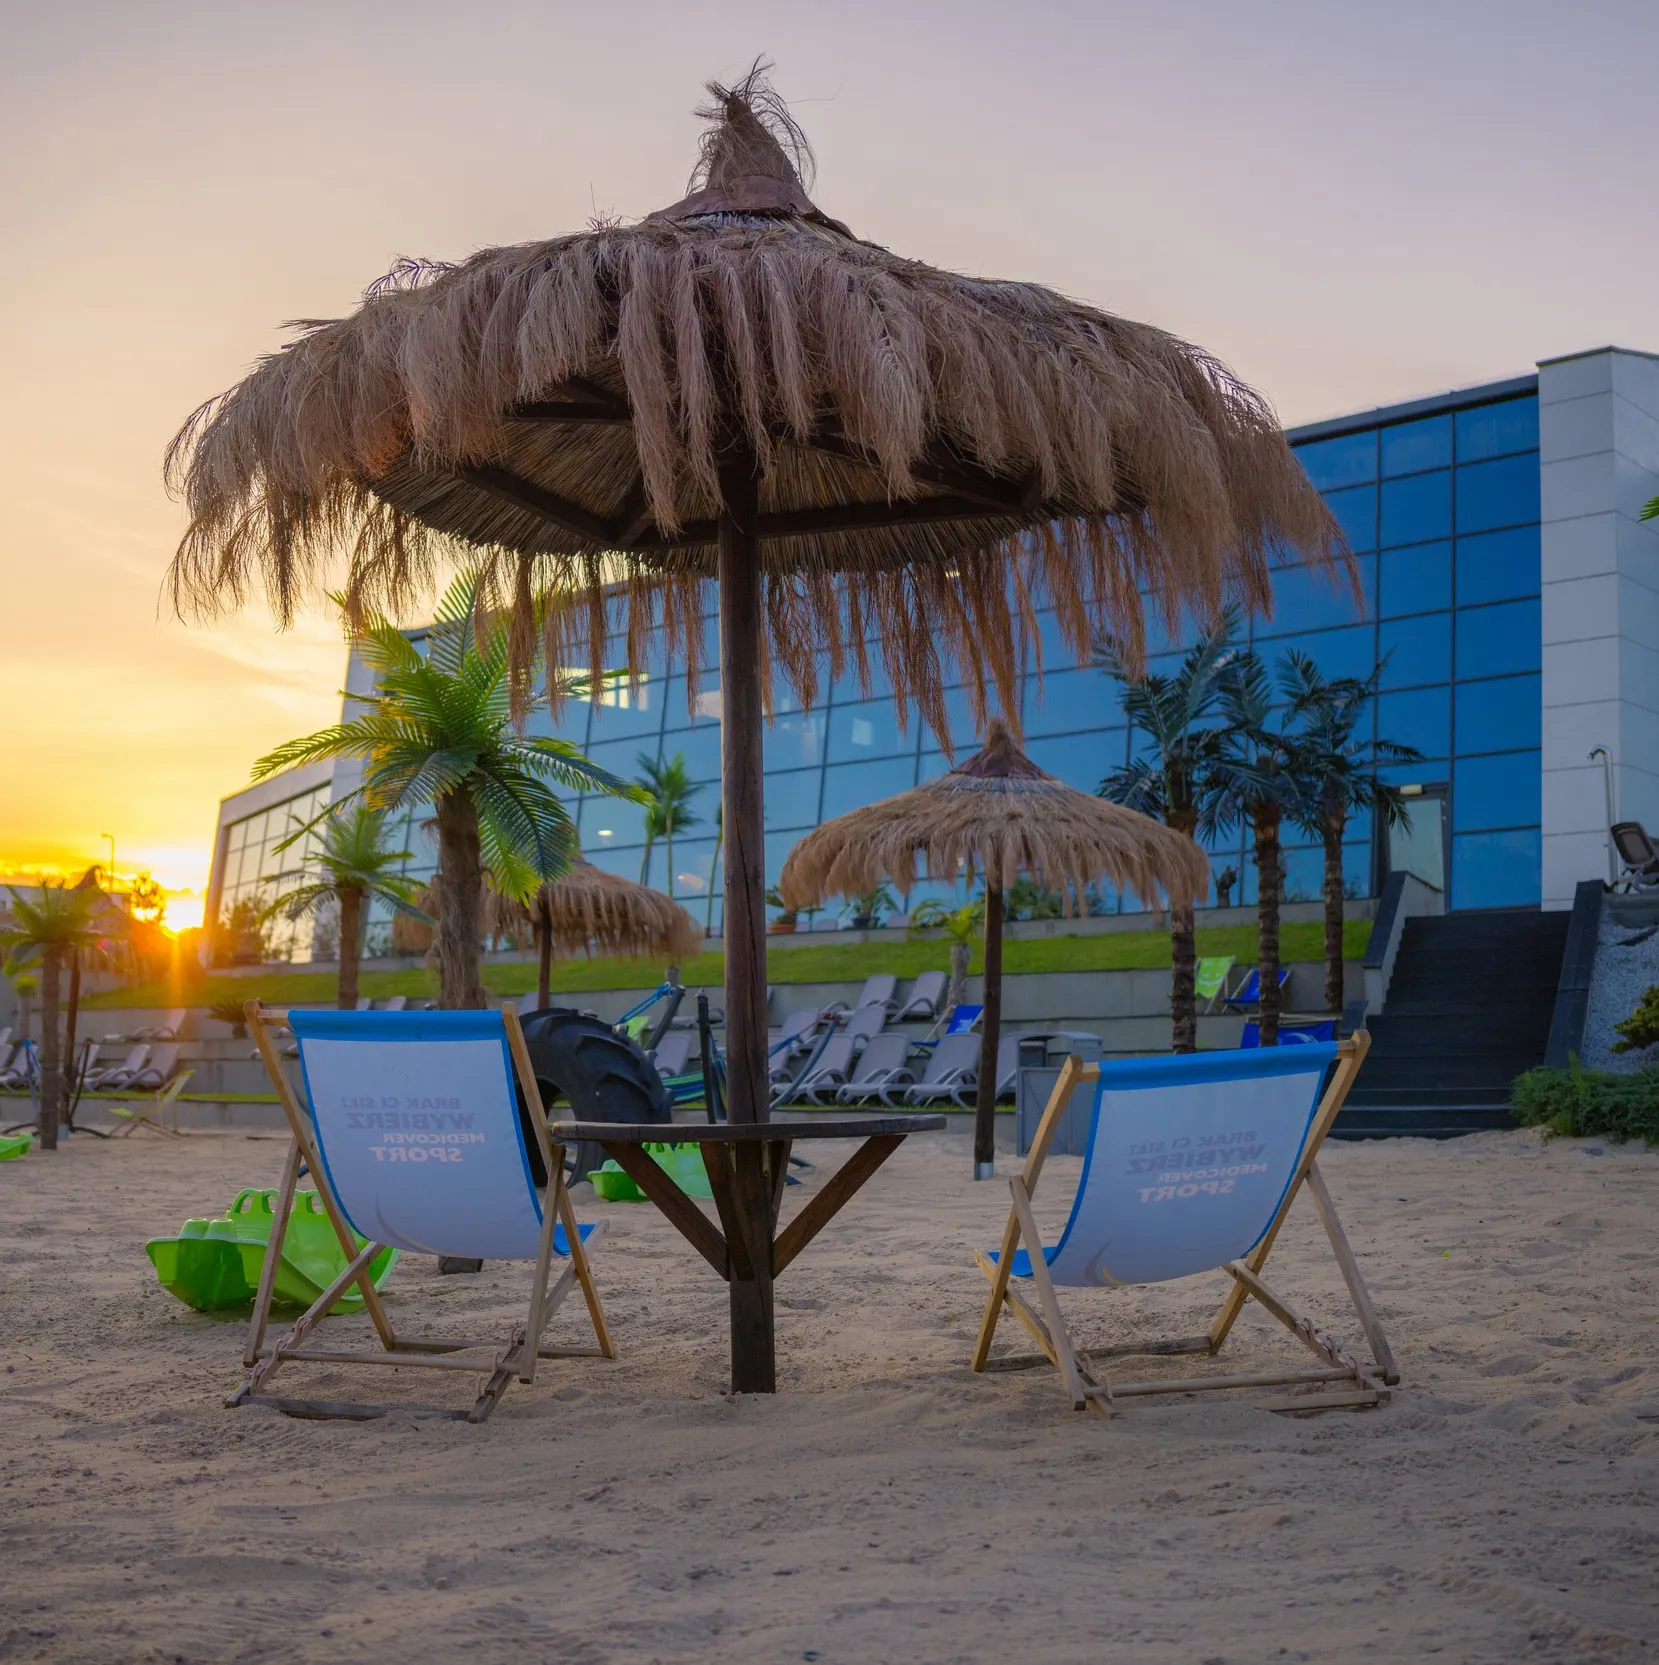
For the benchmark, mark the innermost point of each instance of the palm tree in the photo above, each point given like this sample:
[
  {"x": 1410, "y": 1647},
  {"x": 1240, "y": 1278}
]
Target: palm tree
[
  {"x": 354, "y": 870},
  {"x": 669, "y": 809},
  {"x": 714, "y": 869},
  {"x": 963, "y": 925},
  {"x": 1337, "y": 768},
  {"x": 54, "y": 932},
  {"x": 1256, "y": 780},
  {"x": 1174, "y": 783},
  {"x": 438, "y": 730}
]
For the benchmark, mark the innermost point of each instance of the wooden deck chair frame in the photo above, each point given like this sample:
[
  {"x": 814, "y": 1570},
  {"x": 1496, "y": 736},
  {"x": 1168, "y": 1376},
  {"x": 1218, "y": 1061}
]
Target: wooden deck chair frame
[
  {"x": 499, "y": 1363},
  {"x": 1352, "y": 1384},
  {"x": 149, "y": 1113}
]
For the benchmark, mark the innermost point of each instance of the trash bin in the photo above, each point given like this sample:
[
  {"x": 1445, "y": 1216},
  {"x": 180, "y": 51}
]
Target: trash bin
[{"x": 1040, "y": 1059}]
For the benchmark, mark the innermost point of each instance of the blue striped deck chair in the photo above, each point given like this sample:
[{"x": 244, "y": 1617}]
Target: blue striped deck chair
[
  {"x": 417, "y": 1129},
  {"x": 1192, "y": 1164},
  {"x": 1249, "y": 992}
]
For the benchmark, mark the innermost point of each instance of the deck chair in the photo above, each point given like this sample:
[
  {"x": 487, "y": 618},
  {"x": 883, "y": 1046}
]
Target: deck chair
[
  {"x": 411, "y": 1125},
  {"x": 925, "y": 994},
  {"x": 883, "y": 1067},
  {"x": 1249, "y": 992},
  {"x": 865, "y": 1024},
  {"x": 951, "y": 1072},
  {"x": 1191, "y": 1165},
  {"x": 169, "y": 1029},
  {"x": 880, "y": 989},
  {"x": 164, "y": 1061},
  {"x": 1290, "y": 1034},
  {"x": 672, "y": 1055},
  {"x": 799, "y": 1026},
  {"x": 392, "y": 1003},
  {"x": 1209, "y": 981},
  {"x": 1637, "y": 854},
  {"x": 964, "y": 1019},
  {"x": 822, "y": 1080},
  {"x": 113, "y": 1077},
  {"x": 158, "y": 1113}
]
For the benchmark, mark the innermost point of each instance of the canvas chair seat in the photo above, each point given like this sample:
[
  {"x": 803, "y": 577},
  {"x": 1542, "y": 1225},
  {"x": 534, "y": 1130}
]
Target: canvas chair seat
[
  {"x": 1191, "y": 1164},
  {"x": 418, "y": 1129}
]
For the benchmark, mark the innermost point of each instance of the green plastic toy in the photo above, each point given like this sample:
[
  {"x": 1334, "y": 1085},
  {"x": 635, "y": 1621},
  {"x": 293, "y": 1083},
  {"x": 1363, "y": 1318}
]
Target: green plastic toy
[
  {"x": 14, "y": 1145},
  {"x": 215, "y": 1265},
  {"x": 682, "y": 1163}
]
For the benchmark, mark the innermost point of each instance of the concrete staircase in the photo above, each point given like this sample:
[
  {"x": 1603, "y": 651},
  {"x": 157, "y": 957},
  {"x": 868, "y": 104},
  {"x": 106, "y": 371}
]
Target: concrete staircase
[{"x": 1468, "y": 1009}]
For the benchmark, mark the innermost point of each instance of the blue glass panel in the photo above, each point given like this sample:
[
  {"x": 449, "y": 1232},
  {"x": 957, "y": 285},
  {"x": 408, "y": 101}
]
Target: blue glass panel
[
  {"x": 1350, "y": 460},
  {"x": 1416, "y": 580},
  {"x": 1080, "y": 760},
  {"x": 1356, "y": 870},
  {"x": 610, "y": 824},
  {"x": 1430, "y": 772},
  {"x": 704, "y": 713},
  {"x": 622, "y": 757},
  {"x": 627, "y": 709},
  {"x": 1493, "y": 494},
  {"x": 1496, "y": 870},
  {"x": 792, "y": 797},
  {"x": 700, "y": 747},
  {"x": 869, "y": 729},
  {"x": 1499, "y": 716},
  {"x": 848, "y": 687},
  {"x": 931, "y": 766},
  {"x": 852, "y": 785},
  {"x": 1497, "y": 565},
  {"x": 794, "y": 740},
  {"x": 1069, "y": 700},
  {"x": 965, "y": 731},
  {"x": 1350, "y": 652},
  {"x": 1493, "y": 641},
  {"x": 1420, "y": 717},
  {"x": 1497, "y": 430},
  {"x": 1411, "y": 447},
  {"x": 1056, "y": 655},
  {"x": 1356, "y": 514},
  {"x": 1414, "y": 651},
  {"x": 693, "y": 872},
  {"x": 624, "y": 863},
  {"x": 1304, "y": 875},
  {"x": 1307, "y": 599},
  {"x": 1499, "y": 791},
  {"x": 1417, "y": 509},
  {"x": 778, "y": 846}
]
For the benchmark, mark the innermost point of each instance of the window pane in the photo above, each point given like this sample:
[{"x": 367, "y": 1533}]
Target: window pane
[
  {"x": 1499, "y": 716},
  {"x": 931, "y": 766},
  {"x": 1421, "y": 717},
  {"x": 1304, "y": 875},
  {"x": 848, "y": 687},
  {"x": 622, "y": 757},
  {"x": 1496, "y": 430},
  {"x": 1306, "y": 599},
  {"x": 693, "y": 871},
  {"x": 1070, "y": 700},
  {"x": 1417, "y": 580},
  {"x": 1416, "y": 650},
  {"x": 1493, "y": 641},
  {"x": 1356, "y": 513},
  {"x": 1350, "y": 460},
  {"x": 1079, "y": 760},
  {"x": 851, "y": 785},
  {"x": 1494, "y": 494},
  {"x": 965, "y": 730},
  {"x": 869, "y": 729},
  {"x": 610, "y": 824},
  {"x": 794, "y": 740},
  {"x": 792, "y": 798},
  {"x": 1410, "y": 447},
  {"x": 1498, "y": 565},
  {"x": 700, "y": 747},
  {"x": 1350, "y": 652},
  {"x": 1496, "y": 870},
  {"x": 1417, "y": 509},
  {"x": 705, "y": 711},
  {"x": 626, "y": 709},
  {"x": 1500, "y": 791}
]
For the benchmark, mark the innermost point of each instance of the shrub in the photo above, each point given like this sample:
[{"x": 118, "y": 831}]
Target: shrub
[
  {"x": 1577, "y": 1102},
  {"x": 1641, "y": 1028}
]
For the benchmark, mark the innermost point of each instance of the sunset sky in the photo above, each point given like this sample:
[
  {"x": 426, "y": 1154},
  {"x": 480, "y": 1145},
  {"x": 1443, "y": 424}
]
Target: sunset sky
[{"x": 1350, "y": 204}]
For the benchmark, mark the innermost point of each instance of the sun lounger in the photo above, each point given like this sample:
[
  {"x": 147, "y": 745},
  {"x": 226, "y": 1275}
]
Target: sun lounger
[
  {"x": 19, "y": 1068},
  {"x": 1209, "y": 980},
  {"x": 1638, "y": 855},
  {"x": 1249, "y": 992},
  {"x": 797, "y": 1033},
  {"x": 879, "y": 989},
  {"x": 392, "y": 1003},
  {"x": 155, "y": 1075},
  {"x": 672, "y": 1055},
  {"x": 1191, "y": 1165},
  {"x": 414, "y": 1136},
  {"x": 114, "y": 1077},
  {"x": 925, "y": 994},
  {"x": 964, "y": 1019},
  {"x": 169, "y": 1029},
  {"x": 865, "y": 1024},
  {"x": 951, "y": 1072},
  {"x": 827, "y": 1075},
  {"x": 883, "y": 1068}
]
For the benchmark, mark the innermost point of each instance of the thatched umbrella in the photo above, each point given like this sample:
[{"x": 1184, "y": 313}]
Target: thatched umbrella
[
  {"x": 856, "y": 445},
  {"x": 1000, "y": 815}
]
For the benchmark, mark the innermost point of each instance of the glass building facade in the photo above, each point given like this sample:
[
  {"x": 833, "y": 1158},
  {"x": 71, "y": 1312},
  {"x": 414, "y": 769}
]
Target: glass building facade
[{"x": 254, "y": 869}]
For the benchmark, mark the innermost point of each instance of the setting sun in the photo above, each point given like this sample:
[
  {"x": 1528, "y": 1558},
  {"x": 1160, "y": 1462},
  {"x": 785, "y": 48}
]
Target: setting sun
[{"x": 183, "y": 911}]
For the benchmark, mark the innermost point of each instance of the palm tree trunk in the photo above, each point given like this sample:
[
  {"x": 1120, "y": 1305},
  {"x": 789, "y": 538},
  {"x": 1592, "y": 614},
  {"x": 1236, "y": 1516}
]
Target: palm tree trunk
[
  {"x": 51, "y": 1056},
  {"x": 1265, "y": 824},
  {"x": 460, "y": 903},
  {"x": 544, "y": 950},
  {"x": 957, "y": 987},
  {"x": 351, "y": 939},
  {"x": 71, "y": 1023},
  {"x": 714, "y": 876},
  {"x": 1333, "y": 829},
  {"x": 645, "y": 860},
  {"x": 670, "y": 837},
  {"x": 1183, "y": 964},
  {"x": 985, "y": 1096}
]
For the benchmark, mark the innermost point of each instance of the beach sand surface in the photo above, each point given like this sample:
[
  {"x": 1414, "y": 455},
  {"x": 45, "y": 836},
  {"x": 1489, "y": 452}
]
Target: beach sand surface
[{"x": 887, "y": 1504}]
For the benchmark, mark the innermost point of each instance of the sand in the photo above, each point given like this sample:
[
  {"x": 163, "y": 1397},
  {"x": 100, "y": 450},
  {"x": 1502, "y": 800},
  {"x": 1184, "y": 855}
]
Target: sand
[{"x": 887, "y": 1504}]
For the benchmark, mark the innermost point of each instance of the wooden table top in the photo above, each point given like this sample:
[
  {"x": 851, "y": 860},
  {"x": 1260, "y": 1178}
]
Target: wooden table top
[{"x": 782, "y": 1127}]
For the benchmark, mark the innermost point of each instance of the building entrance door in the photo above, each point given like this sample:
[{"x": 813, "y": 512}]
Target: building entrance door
[{"x": 1421, "y": 849}]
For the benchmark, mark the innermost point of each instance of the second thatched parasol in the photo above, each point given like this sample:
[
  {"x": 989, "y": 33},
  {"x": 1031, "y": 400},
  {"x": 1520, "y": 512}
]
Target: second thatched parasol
[{"x": 1000, "y": 815}]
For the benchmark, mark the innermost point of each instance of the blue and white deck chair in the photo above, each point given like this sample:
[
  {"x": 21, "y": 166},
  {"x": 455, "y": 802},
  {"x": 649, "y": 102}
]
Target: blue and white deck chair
[
  {"x": 1191, "y": 1166},
  {"x": 1249, "y": 992},
  {"x": 410, "y": 1127}
]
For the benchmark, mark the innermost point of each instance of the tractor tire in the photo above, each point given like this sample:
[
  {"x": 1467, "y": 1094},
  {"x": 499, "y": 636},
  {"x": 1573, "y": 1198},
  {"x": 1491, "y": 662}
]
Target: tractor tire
[{"x": 581, "y": 1061}]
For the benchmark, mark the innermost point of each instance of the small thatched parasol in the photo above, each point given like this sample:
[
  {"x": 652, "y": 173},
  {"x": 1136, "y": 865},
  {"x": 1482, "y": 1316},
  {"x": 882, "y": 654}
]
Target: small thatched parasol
[
  {"x": 1000, "y": 815},
  {"x": 858, "y": 446}
]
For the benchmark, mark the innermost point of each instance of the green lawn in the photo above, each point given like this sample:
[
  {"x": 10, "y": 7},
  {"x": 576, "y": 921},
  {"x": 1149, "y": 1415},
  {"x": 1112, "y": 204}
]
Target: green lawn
[{"x": 787, "y": 962}]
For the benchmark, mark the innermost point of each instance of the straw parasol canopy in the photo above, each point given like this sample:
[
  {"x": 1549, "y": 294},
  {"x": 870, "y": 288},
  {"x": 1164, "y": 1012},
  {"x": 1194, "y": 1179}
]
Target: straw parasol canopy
[
  {"x": 590, "y": 910},
  {"x": 999, "y": 815}
]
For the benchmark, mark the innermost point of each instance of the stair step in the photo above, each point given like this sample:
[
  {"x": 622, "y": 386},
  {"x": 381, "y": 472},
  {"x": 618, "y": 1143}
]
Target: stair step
[{"x": 1425, "y": 1121}]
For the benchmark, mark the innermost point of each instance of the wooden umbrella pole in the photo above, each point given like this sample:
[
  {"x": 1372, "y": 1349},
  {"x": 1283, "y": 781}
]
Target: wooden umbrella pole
[
  {"x": 741, "y": 660},
  {"x": 985, "y": 1100}
]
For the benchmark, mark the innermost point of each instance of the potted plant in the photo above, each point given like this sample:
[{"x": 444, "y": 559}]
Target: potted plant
[
  {"x": 230, "y": 1011},
  {"x": 866, "y": 910},
  {"x": 783, "y": 924}
]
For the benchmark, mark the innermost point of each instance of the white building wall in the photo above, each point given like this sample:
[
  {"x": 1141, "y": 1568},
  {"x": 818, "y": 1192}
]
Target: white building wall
[{"x": 1598, "y": 420}]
